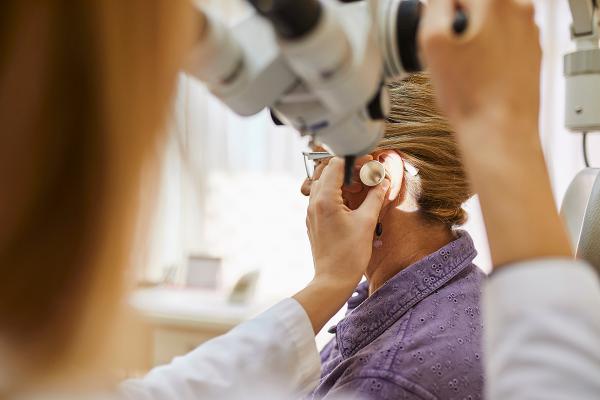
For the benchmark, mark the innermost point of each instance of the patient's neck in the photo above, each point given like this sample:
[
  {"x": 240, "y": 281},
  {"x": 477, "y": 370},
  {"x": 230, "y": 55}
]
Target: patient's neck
[{"x": 407, "y": 238}]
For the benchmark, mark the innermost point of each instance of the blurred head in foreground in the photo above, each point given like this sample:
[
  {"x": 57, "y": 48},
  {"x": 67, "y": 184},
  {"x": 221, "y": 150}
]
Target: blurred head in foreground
[{"x": 84, "y": 91}]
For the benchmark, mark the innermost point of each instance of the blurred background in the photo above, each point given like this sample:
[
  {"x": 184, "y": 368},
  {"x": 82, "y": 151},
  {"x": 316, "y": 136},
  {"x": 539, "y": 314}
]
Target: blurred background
[{"x": 229, "y": 203}]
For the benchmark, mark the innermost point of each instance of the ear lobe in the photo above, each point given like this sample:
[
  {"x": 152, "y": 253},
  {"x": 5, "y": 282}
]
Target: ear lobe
[{"x": 394, "y": 166}]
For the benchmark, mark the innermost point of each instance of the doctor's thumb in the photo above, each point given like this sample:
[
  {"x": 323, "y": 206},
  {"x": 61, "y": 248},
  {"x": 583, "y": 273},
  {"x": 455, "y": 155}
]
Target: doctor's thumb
[{"x": 373, "y": 203}]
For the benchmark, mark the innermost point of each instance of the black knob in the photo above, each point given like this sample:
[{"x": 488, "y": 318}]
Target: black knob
[
  {"x": 349, "y": 162},
  {"x": 379, "y": 106},
  {"x": 461, "y": 22},
  {"x": 407, "y": 28},
  {"x": 291, "y": 19},
  {"x": 275, "y": 119}
]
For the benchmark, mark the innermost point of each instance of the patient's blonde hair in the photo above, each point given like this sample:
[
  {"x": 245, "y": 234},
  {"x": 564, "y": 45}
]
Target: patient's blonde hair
[{"x": 419, "y": 132}]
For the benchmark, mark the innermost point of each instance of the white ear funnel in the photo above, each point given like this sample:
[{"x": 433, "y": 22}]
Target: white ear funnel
[{"x": 372, "y": 173}]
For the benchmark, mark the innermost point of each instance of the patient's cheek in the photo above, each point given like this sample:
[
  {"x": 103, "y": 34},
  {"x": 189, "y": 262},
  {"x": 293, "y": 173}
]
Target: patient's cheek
[
  {"x": 354, "y": 200},
  {"x": 354, "y": 187}
]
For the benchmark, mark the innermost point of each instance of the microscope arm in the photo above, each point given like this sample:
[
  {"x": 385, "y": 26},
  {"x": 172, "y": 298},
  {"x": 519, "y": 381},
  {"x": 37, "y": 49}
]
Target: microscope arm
[{"x": 583, "y": 12}]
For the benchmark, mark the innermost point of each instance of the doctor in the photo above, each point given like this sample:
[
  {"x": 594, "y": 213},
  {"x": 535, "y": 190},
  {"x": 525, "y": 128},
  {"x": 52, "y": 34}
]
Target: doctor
[{"x": 84, "y": 89}]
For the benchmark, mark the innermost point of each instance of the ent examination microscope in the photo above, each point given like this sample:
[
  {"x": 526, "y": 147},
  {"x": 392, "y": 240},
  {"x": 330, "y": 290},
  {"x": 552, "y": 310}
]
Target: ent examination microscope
[
  {"x": 581, "y": 204},
  {"x": 321, "y": 67}
]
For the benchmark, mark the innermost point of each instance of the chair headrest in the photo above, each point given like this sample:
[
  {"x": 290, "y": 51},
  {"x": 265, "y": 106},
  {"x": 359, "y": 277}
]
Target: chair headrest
[{"x": 581, "y": 213}]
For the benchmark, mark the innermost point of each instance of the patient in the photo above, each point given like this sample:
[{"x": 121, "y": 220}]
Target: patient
[{"x": 413, "y": 328}]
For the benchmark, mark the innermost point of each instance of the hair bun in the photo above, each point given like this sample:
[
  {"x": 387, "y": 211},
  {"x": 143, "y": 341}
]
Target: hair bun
[
  {"x": 419, "y": 131},
  {"x": 460, "y": 218}
]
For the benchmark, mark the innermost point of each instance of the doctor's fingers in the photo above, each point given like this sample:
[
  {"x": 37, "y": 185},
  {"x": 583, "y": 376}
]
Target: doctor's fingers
[
  {"x": 436, "y": 26},
  {"x": 437, "y": 23},
  {"x": 371, "y": 206},
  {"x": 313, "y": 205},
  {"x": 332, "y": 177},
  {"x": 326, "y": 193}
]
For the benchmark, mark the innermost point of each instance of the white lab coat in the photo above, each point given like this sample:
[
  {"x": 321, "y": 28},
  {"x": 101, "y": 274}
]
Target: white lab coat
[
  {"x": 542, "y": 339},
  {"x": 542, "y": 331},
  {"x": 272, "y": 356}
]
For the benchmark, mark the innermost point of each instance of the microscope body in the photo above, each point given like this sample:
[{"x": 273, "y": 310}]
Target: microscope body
[
  {"x": 243, "y": 66},
  {"x": 582, "y": 69},
  {"x": 319, "y": 66},
  {"x": 339, "y": 99}
]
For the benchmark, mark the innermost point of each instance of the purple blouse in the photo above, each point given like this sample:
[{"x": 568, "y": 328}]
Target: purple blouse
[{"x": 417, "y": 337}]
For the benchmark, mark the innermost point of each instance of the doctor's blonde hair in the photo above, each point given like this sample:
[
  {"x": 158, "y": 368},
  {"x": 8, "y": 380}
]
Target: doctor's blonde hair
[
  {"x": 84, "y": 92},
  {"x": 420, "y": 133}
]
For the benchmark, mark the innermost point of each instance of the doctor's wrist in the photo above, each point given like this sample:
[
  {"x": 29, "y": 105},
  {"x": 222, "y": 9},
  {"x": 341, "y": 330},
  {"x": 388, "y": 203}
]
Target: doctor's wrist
[
  {"x": 507, "y": 169},
  {"x": 335, "y": 280},
  {"x": 323, "y": 297}
]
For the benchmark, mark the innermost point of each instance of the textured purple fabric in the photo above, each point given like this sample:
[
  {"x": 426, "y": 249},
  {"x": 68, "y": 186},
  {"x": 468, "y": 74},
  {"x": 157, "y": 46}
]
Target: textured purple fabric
[{"x": 417, "y": 337}]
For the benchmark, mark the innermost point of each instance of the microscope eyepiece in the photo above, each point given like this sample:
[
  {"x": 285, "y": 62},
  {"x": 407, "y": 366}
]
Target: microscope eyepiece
[
  {"x": 407, "y": 28},
  {"x": 398, "y": 22},
  {"x": 380, "y": 105},
  {"x": 291, "y": 19}
]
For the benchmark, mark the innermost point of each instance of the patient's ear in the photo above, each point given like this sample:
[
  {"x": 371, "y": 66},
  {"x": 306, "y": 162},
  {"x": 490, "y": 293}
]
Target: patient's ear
[{"x": 394, "y": 166}]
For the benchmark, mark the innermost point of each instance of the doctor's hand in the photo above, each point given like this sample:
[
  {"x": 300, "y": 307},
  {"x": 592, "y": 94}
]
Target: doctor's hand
[
  {"x": 489, "y": 74},
  {"x": 487, "y": 83},
  {"x": 341, "y": 240}
]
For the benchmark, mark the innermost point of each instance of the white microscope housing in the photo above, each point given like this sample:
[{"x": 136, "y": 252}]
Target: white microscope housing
[
  {"x": 320, "y": 66},
  {"x": 582, "y": 69}
]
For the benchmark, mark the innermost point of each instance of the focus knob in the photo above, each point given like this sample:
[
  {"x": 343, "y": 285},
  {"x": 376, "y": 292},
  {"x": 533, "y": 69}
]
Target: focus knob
[
  {"x": 292, "y": 19},
  {"x": 275, "y": 119},
  {"x": 379, "y": 107}
]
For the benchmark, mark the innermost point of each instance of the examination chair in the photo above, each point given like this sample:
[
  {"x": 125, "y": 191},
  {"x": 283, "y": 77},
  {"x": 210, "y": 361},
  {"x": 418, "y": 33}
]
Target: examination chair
[{"x": 581, "y": 213}]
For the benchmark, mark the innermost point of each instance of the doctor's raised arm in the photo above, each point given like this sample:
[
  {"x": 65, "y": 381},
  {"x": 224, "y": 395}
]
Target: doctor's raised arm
[{"x": 542, "y": 325}]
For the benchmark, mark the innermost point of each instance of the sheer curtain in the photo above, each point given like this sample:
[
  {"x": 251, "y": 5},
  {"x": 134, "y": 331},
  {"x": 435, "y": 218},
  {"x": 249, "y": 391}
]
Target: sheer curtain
[
  {"x": 230, "y": 185},
  {"x": 230, "y": 189}
]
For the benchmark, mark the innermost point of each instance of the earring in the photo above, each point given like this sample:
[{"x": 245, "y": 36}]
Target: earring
[{"x": 377, "y": 243}]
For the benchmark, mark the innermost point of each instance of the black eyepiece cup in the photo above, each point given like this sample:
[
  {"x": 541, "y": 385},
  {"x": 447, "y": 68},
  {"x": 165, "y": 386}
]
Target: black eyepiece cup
[{"x": 292, "y": 19}]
